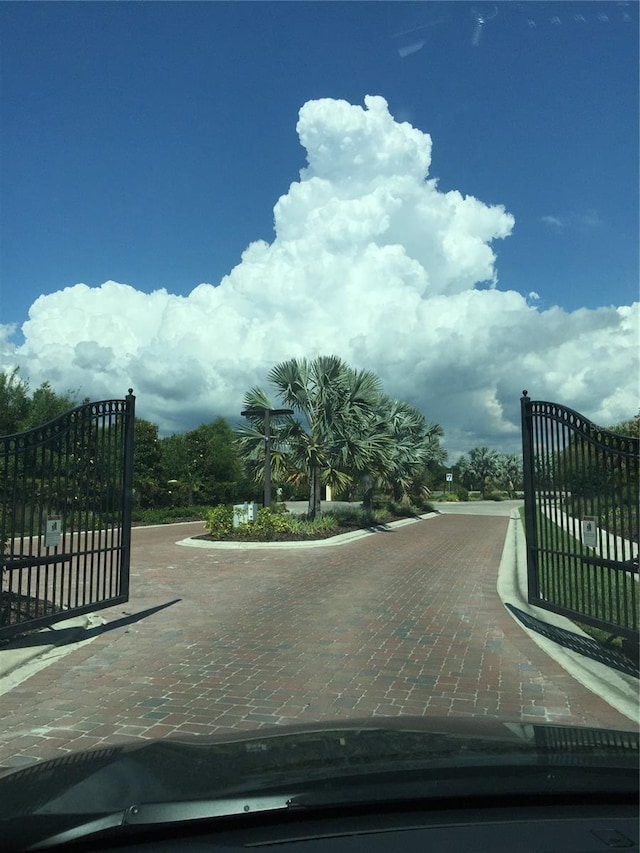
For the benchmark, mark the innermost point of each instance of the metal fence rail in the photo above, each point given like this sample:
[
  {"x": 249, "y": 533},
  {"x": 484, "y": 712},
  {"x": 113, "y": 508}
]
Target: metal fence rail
[
  {"x": 65, "y": 515},
  {"x": 581, "y": 517}
]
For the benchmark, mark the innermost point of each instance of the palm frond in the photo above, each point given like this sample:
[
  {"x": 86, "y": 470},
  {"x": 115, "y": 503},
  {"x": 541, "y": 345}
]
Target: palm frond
[
  {"x": 291, "y": 379},
  {"x": 256, "y": 397}
]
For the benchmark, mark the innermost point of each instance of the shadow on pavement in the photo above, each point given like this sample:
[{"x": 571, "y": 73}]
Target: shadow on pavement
[
  {"x": 586, "y": 646},
  {"x": 75, "y": 634}
]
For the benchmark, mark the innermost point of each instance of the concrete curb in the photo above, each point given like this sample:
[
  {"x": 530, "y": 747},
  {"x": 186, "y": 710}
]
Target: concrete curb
[
  {"x": 340, "y": 539},
  {"x": 617, "y": 689},
  {"x": 21, "y": 658}
]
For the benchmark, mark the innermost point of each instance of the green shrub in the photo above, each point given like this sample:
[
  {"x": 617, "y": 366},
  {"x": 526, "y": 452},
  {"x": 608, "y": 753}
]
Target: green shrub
[
  {"x": 422, "y": 503},
  {"x": 462, "y": 493},
  {"x": 379, "y": 500},
  {"x": 401, "y": 509},
  {"x": 417, "y": 506},
  {"x": 266, "y": 525},
  {"x": 451, "y": 497},
  {"x": 168, "y": 515},
  {"x": 219, "y": 522},
  {"x": 270, "y": 523},
  {"x": 345, "y": 516},
  {"x": 493, "y": 496},
  {"x": 350, "y": 516},
  {"x": 323, "y": 523}
]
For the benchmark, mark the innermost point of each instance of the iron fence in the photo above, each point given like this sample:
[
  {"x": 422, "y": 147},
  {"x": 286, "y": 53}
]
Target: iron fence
[
  {"x": 65, "y": 515},
  {"x": 581, "y": 517}
]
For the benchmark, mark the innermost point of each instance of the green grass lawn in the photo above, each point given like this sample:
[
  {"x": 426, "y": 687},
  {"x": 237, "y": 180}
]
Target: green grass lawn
[{"x": 597, "y": 591}]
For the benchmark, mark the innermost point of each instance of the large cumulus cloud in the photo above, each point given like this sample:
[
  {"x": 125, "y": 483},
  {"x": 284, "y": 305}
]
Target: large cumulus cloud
[{"x": 370, "y": 260}]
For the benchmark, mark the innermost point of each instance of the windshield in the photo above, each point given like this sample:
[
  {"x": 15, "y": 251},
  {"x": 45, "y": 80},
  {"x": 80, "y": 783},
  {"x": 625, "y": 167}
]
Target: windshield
[{"x": 273, "y": 279}]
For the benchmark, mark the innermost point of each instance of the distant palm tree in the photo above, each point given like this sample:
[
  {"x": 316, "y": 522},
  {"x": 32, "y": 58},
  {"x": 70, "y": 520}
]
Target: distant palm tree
[
  {"x": 511, "y": 471},
  {"x": 482, "y": 465}
]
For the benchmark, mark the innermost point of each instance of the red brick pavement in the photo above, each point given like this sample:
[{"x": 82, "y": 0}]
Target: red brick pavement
[{"x": 403, "y": 622}]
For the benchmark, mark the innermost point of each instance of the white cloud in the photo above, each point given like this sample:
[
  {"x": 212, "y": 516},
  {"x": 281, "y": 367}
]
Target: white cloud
[
  {"x": 407, "y": 50},
  {"x": 555, "y": 221},
  {"x": 370, "y": 261},
  {"x": 7, "y": 347},
  {"x": 587, "y": 220}
]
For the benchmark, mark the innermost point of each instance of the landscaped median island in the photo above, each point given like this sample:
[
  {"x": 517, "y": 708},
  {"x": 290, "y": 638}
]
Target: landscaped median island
[{"x": 279, "y": 525}]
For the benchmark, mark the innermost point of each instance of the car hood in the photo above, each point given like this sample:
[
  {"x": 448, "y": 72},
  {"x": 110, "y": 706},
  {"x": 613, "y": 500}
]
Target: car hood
[{"x": 172, "y": 769}]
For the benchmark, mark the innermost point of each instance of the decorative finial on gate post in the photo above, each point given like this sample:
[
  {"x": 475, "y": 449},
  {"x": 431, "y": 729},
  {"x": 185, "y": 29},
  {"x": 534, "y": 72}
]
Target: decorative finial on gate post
[
  {"x": 524, "y": 393},
  {"x": 130, "y": 391}
]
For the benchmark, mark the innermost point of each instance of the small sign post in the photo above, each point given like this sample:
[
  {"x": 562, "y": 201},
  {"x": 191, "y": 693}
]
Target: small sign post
[
  {"x": 589, "y": 531},
  {"x": 53, "y": 531}
]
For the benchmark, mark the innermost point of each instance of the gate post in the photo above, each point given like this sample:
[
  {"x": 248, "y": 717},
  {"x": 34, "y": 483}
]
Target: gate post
[
  {"x": 127, "y": 488},
  {"x": 530, "y": 528}
]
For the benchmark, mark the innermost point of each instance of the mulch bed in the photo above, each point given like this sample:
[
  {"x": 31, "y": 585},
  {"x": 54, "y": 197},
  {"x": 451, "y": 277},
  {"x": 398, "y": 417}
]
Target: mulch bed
[
  {"x": 285, "y": 536},
  {"x": 290, "y": 536}
]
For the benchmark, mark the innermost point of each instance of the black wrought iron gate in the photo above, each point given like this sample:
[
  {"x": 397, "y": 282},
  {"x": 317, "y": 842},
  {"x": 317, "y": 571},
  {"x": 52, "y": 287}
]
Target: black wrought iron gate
[
  {"x": 65, "y": 515},
  {"x": 581, "y": 517}
]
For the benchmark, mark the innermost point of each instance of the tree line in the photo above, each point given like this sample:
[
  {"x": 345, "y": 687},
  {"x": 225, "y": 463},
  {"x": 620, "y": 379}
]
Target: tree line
[
  {"x": 486, "y": 470},
  {"x": 21, "y": 409},
  {"x": 345, "y": 433},
  {"x": 202, "y": 467}
]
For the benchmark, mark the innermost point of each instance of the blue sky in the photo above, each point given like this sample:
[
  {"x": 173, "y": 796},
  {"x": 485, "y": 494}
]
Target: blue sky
[{"x": 147, "y": 143}]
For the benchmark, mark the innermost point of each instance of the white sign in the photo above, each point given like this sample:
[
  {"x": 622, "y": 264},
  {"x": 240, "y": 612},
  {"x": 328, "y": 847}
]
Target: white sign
[
  {"x": 243, "y": 513},
  {"x": 589, "y": 531},
  {"x": 53, "y": 531},
  {"x": 449, "y": 478}
]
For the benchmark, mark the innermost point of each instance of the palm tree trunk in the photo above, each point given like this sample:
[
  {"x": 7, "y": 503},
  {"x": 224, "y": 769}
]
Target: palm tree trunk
[
  {"x": 315, "y": 493},
  {"x": 367, "y": 497}
]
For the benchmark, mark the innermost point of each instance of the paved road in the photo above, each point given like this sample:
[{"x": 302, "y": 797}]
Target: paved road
[
  {"x": 401, "y": 622},
  {"x": 493, "y": 508},
  {"x": 501, "y": 508}
]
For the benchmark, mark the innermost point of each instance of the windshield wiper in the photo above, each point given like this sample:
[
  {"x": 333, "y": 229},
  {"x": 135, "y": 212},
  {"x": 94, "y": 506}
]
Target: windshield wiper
[{"x": 154, "y": 814}]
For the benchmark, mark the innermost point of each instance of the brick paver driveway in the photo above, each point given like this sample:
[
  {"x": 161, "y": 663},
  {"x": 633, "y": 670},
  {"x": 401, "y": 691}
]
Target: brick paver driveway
[{"x": 402, "y": 622}]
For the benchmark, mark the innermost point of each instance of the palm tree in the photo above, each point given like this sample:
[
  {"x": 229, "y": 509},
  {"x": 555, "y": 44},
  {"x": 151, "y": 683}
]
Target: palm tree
[
  {"x": 511, "y": 471},
  {"x": 414, "y": 443},
  {"x": 482, "y": 465},
  {"x": 339, "y": 433}
]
